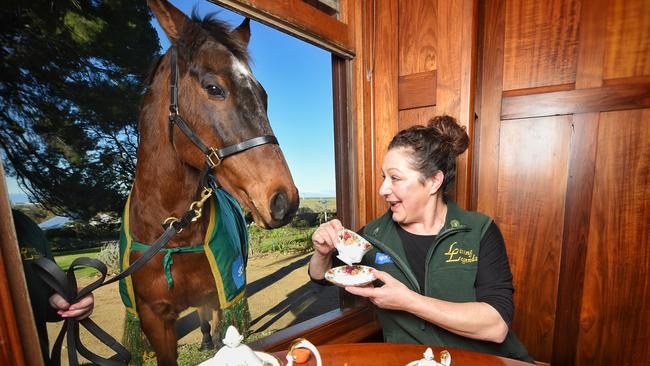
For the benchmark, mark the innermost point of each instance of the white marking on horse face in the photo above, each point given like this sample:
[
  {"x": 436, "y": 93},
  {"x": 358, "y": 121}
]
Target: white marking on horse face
[{"x": 241, "y": 70}]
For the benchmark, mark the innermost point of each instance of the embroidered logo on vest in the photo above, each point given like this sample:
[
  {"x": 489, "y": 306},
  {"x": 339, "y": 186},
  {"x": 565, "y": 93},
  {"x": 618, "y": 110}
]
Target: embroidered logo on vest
[
  {"x": 237, "y": 272},
  {"x": 30, "y": 254},
  {"x": 458, "y": 255},
  {"x": 382, "y": 258}
]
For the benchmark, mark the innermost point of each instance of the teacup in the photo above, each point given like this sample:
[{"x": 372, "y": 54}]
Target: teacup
[{"x": 351, "y": 246}]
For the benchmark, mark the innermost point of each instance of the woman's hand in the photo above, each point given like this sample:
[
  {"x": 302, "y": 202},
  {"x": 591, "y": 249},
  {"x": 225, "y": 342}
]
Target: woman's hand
[
  {"x": 393, "y": 295},
  {"x": 324, "y": 240},
  {"x": 79, "y": 310},
  {"x": 326, "y": 236}
]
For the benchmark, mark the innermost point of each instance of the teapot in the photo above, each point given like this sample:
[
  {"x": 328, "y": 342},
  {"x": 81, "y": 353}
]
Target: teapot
[{"x": 234, "y": 353}]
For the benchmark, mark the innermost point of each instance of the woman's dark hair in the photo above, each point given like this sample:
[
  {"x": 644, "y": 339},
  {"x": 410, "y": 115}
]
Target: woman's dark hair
[{"x": 434, "y": 147}]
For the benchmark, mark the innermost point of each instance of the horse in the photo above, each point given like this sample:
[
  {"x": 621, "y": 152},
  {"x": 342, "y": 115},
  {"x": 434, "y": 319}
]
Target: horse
[{"x": 204, "y": 77}]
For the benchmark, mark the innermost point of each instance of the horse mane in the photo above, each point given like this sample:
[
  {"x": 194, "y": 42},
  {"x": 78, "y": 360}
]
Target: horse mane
[
  {"x": 193, "y": 37},
  {"x": 219, "y": 30}
]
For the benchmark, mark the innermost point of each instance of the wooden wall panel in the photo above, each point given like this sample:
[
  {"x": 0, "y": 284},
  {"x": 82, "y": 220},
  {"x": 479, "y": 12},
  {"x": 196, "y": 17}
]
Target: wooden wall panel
[
  {"x": 417, "y": 36},
  {"x": 415, "y": 116},
  {"x": 449, "y": 51},
  {"x": 627, "y": 52},
  {"x": 532, "y": 179},
  {"x": 385, "y": 88},
  {"x": 489, "y": 105},
  {"x": 417, "y": 90},
  {"x": 540, "y": 43},
  {"x": 616, "y": 300}
]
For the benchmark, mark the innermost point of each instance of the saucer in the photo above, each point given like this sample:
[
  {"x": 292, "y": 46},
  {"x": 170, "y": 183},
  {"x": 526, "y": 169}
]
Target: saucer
[{"x": 356, "y": 275}]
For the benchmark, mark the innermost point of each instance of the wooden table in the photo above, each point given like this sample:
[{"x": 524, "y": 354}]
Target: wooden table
[{"x": 395, "y": 354}]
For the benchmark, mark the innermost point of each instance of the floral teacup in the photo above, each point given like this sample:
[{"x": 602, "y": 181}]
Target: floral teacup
[{"x": 351, "y": 247}]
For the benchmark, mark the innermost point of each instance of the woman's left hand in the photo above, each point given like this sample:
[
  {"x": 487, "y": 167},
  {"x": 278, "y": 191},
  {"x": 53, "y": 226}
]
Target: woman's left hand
[{"x": 393, "y": 295}]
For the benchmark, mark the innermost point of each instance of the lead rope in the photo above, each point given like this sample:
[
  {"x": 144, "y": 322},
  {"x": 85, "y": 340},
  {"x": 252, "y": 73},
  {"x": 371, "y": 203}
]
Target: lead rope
[{"x": 65, "y": 284}]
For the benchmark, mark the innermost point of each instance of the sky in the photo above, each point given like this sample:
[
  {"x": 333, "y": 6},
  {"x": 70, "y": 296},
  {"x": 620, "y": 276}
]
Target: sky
[{"x": 298, "y": 80}]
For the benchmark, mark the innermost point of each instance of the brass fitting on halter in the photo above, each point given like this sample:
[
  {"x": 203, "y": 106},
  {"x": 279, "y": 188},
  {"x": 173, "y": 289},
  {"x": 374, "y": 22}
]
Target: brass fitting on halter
[
  {"x": 197, "y": 205},
  {"x": 209, "y": 157}
]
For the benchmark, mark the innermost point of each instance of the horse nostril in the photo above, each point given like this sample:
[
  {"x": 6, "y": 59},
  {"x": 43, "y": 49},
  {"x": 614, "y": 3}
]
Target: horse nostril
[{"x": 279, "y": 206}]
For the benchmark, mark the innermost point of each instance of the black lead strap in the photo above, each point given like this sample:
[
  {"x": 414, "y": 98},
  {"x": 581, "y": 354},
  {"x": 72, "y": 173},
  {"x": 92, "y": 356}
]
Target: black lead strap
[{"x": 65, "y": 284}]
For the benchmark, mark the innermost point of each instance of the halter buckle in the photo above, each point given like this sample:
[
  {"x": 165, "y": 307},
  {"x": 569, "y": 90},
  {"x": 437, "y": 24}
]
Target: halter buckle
[{"x": 209, "y": 157}]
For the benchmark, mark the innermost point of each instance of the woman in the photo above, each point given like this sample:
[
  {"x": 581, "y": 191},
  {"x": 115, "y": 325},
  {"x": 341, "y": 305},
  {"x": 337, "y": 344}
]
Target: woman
[{"x": 445, "y": 272}]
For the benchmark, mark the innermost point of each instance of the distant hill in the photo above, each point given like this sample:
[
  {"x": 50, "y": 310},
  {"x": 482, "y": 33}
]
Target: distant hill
[{"x": 321, "y": 194}]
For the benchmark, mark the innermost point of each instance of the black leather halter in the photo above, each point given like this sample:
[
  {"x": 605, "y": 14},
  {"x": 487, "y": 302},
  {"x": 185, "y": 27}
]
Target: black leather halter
[{"x": 213, "y": 156}]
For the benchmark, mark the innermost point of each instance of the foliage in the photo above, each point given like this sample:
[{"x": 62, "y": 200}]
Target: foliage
[
  {"x": 285, "y": 239},
  {"x": 110, "y": 255},
  {"x": 72, "y": 78},
  {"x": 79, "y": 235},
  {"x": 35, "y": 212},
  {"x": 188, "y": 355}
]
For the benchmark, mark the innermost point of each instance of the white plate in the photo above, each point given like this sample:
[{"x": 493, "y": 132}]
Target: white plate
[
  {"x": 356, "y": 275},
  {"x": 268, "y": 358}
]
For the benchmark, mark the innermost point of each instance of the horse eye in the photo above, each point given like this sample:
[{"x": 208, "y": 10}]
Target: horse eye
[{"x": 216, "y": 91}]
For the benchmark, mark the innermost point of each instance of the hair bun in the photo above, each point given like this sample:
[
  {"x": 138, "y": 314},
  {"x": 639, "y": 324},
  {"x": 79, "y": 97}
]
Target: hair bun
[{"x": 451, "y": 133}]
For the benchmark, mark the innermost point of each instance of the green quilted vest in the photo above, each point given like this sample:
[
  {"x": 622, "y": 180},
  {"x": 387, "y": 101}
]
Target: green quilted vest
[{"x": 451, "y": 266}]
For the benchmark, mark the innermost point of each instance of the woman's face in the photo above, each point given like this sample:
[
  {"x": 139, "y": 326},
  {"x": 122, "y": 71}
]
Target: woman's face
[{"x": 403, "y": 189}]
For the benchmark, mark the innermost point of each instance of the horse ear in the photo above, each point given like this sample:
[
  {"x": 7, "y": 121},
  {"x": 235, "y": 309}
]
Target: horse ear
[
  {"x": 170, "y": 18},
  {"x": 243, "y": 32}
]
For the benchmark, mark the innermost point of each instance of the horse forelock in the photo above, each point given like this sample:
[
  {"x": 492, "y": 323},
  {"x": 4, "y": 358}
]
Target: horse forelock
[{"x": 219, "y": 30}]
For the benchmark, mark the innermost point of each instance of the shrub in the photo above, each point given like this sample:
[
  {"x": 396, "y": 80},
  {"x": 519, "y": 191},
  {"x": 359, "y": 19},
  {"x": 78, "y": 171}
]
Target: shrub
[{"x": 110, "y": 255}]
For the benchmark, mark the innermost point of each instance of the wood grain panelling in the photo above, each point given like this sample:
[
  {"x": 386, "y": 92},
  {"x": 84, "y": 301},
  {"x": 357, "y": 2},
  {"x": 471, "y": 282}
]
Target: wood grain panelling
[
  {"x": 540, "y": 43},
  {"x": 385, "y": 89},
  {"x": 417, "y": 90},
  {"x": 616, "y": 299},
  {"x": 417, "y": 36},
  {"x": 11, "y": 352},
  {"x": 361, "y": 88},
  {"x": 18, "y": 340},
  {"x": 607, "y": 98},
  {"x": 299, "y": 19},
  {"x": 579, "y": 187},
  {"x": 627, "y": 51},
  {"x": 530, "y": 212},
  {"x": 491, "y": 88},
  {"x": 415, "y": 116},
  {"x": 448, "y": 55}
]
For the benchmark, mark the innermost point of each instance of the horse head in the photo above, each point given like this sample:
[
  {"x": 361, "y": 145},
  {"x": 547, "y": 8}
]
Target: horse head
[{"x": 223, "y": 104}]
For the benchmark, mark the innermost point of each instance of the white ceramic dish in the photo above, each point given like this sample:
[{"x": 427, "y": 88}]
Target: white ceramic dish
[
  {"x": 351, "y": 246},
  {"x": 356, "y": 275},
  {"x": 268, "y": 358}
]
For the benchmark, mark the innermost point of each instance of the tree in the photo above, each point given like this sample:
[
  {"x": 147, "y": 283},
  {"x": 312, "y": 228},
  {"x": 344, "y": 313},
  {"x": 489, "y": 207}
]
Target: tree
[{"x": 73, "y": 75}]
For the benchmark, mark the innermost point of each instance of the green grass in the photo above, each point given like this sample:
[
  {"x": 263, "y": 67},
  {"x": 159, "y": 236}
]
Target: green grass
[
  {"x": 283, "y": 240},
  {"x": 315, "y": 203},
  {"x": 64, "y": 260}
]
